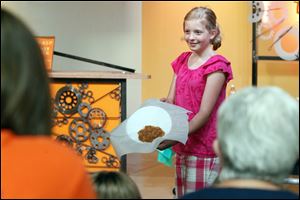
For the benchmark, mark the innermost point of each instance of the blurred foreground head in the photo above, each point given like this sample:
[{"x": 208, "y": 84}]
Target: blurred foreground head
[
  {"x": 258, "y": 134},
  {"x": 115, "y": 185},
  {"x": 25, "y": 98}
]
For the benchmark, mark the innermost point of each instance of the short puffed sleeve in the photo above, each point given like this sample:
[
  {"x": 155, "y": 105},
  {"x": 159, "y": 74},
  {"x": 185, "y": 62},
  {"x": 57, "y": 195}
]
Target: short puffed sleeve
[{"x": 219, "y": 64}]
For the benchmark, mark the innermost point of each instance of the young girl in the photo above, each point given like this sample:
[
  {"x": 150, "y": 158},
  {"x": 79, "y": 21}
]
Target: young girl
[{"x": 199, "y": 85}]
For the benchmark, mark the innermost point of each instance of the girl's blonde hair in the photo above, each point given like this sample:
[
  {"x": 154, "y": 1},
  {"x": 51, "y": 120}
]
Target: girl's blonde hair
[{"x": 210, "y": 19}]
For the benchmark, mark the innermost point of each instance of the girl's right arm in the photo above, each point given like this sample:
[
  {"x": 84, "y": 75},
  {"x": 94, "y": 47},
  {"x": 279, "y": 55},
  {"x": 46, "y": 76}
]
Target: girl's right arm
[
  {"x": 170, "y": 99},
  {"x": 171, "y": 95}
]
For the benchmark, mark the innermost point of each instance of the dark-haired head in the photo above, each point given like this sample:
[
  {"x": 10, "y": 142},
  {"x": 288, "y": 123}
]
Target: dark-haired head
[{"x": 25, "y": 97}]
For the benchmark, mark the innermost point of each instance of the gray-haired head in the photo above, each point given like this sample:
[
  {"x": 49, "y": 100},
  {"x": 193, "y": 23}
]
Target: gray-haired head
[{"x": 258, "y": 134}]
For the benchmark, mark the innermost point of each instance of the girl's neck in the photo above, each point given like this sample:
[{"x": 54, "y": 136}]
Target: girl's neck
[
  {"x": 204, "y": 55},
  {"x": 197, "y": 59},
  {"x": 251, "y": 183}
]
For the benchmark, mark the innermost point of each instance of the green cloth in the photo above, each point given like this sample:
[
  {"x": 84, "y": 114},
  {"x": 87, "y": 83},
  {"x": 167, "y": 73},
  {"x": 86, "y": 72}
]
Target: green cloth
[{"x": 165, "y": 157}]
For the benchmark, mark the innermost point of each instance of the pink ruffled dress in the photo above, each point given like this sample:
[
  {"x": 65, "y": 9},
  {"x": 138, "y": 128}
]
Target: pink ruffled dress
[{"x": 190, "y": 84}]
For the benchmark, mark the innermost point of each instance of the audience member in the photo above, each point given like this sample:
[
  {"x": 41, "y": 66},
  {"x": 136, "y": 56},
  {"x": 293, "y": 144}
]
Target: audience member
[
  {"x": 258, "y": 145},
  {"x": 33, "y": 165},
  {"x": 115, "y": 185}
]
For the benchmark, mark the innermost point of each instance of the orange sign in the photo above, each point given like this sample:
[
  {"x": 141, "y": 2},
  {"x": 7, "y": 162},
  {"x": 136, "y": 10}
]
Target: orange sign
[{"x": 47, "y": 47}]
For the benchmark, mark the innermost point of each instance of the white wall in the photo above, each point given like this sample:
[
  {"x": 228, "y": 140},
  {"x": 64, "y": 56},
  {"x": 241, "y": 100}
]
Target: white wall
[{"x": 104, "y": 31}]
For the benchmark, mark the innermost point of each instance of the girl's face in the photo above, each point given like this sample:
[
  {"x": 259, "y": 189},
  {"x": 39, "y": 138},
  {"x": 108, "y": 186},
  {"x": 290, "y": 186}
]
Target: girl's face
[{"x": 196, "y": 35}]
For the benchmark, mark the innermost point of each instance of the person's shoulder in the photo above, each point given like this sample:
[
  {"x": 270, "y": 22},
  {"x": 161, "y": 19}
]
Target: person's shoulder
[
  {"x": 184, "y": 55},
  {"x": 219, "y": 58},
  {"x": 62, "y": 152},
  {"x": 44, "y": 148},
  {"x": 203, "y": 193},
  {"x": 217, "y": 62},
  {"x": 180, "y": 61},
  {"x": 240, "y": 193},
  {"x": 41, "y": 153},
  {"x": 48, "y": 163},
  {"x": 41, "y": 142}
]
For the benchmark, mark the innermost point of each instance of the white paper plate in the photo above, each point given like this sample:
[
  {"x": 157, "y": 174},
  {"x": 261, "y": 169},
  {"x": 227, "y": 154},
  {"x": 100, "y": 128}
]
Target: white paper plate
[{"x": 149, "y": 115}]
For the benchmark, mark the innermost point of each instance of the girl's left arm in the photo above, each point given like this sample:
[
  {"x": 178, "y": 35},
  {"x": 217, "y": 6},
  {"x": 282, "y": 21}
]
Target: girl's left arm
[{"x": 214, "y": 83}]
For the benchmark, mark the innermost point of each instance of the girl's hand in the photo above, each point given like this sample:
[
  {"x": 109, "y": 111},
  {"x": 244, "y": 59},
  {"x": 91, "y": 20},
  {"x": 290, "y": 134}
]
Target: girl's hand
[
  {"x": 166, "y": 100},
  {"x": 166, "y": 144}
]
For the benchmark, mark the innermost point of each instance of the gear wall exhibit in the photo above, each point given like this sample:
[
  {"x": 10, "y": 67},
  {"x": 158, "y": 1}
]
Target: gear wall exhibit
[
  {"x": 86, "y": 107},
  {"x": 81, "y": 120}
]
